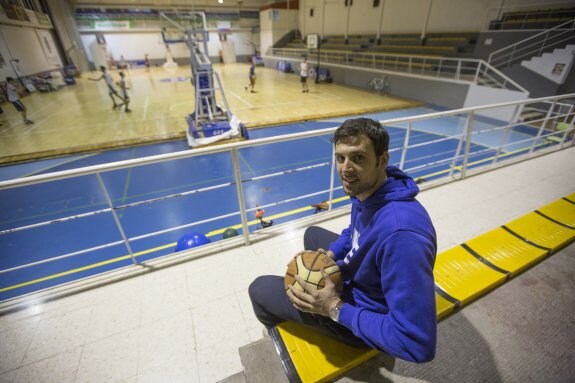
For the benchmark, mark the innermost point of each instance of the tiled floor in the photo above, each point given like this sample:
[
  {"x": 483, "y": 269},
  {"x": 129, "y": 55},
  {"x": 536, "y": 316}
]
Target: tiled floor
[{"x": 185, "y": 323}]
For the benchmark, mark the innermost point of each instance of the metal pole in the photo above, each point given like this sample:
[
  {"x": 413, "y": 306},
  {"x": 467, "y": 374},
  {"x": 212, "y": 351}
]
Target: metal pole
[
  {"x": 540, "y": 132},
  {"x": 468, "y": 131},
  {"x": 426, "y": 22},
  {"x": 116, "y": 219},
  {"x": 332, "y": 177},
  {"x": 405, "y": 144},
  {"x": 378, "y": 38},
  {"x": 456, "y": 156},
  {"x": 240, "y": 193},
  {"x": 348, "y": 3},
  {"x": 318, "y": 58}
]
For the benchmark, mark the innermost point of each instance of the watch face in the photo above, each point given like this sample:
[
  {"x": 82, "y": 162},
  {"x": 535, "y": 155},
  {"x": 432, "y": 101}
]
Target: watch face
[{"x": 334, "y": 312}]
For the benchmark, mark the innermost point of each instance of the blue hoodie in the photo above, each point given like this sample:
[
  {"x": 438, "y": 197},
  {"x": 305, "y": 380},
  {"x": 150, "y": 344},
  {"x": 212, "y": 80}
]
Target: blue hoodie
[{"x": 386, "y": 257}]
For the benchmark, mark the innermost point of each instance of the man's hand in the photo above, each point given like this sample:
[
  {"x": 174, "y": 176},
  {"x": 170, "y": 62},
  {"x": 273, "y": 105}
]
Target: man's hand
[
  {"x": 314, "y": 301},
  {"x": 328, "y": 252}
]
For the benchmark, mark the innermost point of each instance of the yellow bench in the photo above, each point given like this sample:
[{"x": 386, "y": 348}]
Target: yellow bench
[{"x": 462, "y": 274}]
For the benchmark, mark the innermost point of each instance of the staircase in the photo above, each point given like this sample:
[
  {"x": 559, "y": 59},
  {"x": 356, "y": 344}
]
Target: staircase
[
  {"x": 554, "y": 65},
  {"x": 556, "y": 37}
]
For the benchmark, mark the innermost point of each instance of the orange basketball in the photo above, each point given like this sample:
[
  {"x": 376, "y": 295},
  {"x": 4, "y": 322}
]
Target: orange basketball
[{"x": 308, "y": 266}]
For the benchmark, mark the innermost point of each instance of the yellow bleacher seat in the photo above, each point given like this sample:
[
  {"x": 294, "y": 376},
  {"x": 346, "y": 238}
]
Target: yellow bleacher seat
[
  {"x": 541, "y": 231},
  {"x": 561, "y": 211},
  {"x": 506, "y": 251},
  {"x": 463, "y": 276},
  {"x": 311, "y": 357},
  {"x": 443, "y": 307}
]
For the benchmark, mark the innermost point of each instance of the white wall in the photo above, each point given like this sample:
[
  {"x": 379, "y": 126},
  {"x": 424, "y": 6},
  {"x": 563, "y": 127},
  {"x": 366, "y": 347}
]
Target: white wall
[
  {"x": 133, "y": 46},
  {"x": 402, "y": 16},
  {"x": 36, "y": 51},
  {"x": 481, "y": 95},
  {"x": 275, "y": 24}
]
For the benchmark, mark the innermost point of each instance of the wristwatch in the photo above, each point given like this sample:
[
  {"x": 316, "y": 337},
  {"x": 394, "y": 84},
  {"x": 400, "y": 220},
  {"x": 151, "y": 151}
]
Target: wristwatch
[{"x": 334, "y": 311}]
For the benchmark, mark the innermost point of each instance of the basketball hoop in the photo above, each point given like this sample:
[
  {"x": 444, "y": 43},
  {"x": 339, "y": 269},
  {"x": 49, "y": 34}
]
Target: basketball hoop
[{"x": 224, "y": 29}]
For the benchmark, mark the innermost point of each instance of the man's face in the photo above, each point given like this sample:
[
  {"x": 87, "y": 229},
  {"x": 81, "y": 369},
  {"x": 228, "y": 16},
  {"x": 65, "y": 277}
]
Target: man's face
[{"x": 360, "y": 170}]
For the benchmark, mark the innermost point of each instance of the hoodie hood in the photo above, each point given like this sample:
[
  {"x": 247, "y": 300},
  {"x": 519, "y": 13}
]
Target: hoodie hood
[{"x": 398, "y": 187}]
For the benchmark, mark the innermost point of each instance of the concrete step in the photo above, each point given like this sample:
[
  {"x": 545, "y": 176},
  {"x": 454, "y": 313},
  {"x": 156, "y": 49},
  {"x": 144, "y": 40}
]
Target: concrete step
[{"x": 261, "y": 364}]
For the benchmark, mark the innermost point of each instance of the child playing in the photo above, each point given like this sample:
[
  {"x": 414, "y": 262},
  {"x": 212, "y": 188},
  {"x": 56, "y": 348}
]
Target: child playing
[{"x": 13, "y": 95}]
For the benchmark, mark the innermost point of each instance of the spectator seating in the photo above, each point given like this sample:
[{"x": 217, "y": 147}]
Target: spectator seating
[{"x": 533, "y": 19}]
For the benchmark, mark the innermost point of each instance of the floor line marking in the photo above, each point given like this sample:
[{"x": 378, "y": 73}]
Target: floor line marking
[
  {"x": 154, "y": 249},
  {"x": 241, "y": 99},
  {"x": 145, "y": 108}
]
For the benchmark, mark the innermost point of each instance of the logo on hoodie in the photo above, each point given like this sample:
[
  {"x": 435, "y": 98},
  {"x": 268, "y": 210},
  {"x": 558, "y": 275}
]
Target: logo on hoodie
[{"x": 354, "y": 246}]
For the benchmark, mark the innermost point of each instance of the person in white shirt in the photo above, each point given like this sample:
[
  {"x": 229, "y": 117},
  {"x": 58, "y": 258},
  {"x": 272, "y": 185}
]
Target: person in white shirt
[
  {"x": 14, "y": 97},
  {"x": 124, "y": 89},
  {"x": 303, "y": 73},
  {"x": 111, "y": 90}
]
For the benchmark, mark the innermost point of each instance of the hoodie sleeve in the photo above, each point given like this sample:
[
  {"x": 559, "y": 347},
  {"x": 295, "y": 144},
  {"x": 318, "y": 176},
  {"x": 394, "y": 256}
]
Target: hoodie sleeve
[
  {"x": 409, "y": 329},
  {"x": 342, "y": 245}
]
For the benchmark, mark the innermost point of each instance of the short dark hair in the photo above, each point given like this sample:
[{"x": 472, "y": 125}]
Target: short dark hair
[
  {"x": 102, "y": 68},
  {"x": 8, "y": 79},
  {"x": 364, "y": 126}
]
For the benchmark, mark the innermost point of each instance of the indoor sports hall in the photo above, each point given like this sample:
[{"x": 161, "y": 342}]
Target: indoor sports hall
[{"x": 127, "y": 253}]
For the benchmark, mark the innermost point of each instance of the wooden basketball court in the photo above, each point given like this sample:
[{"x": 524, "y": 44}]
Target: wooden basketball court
[{"x": 80, "y": 118}]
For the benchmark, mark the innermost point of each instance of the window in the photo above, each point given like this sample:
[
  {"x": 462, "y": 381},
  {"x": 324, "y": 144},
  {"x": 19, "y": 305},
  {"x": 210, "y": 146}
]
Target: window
[
  {"x": 311, "y": 12},
  {"x": 376, "y": 3}
]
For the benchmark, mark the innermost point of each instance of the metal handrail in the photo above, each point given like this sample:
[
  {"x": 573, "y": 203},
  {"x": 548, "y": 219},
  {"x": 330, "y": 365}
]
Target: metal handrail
[
  {"x": 493, "y": 57},
  {"x": 420, "y": 65},
  {"x": 463, "y": 154},
  {"x": 64, "y": 174}
]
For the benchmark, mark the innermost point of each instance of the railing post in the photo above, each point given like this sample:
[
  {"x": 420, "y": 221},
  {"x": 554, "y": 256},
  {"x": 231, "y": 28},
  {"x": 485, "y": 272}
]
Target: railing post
[
  {"x": 332, "y": 177},
  {"x": 439, "y": 67},
  {"x": 240, "y": 194},
  {"x": 540, "y": 132},
  {"x": 477, "y": 71},
  {"x": 505, "y": 136},
  {"x": 405, "y": 145},
  {"x": 116, "y": 219},
  {"x": 456, "y": 156},
  {"x": 511, "y": 56},
  {"x": 468, "y": 132}
]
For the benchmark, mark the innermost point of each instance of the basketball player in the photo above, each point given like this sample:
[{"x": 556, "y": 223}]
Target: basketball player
[
  {"x": 147, "y": 62},
  {"x": 252, "y": 83},
  {"x": 386, "y": 257},
  {"x": 124, "y": 90},
  {"x": 110, "y": 82},
  {"x": 303, "y": 73},
  {"x": 13, "y": 95}
]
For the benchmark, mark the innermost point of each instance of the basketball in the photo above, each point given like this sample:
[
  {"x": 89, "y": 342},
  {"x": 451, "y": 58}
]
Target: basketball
[
  {"x": 308, "y": 266},
  {"x": 190, "y": 240},
  {"x": 229, "y": 233}
]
